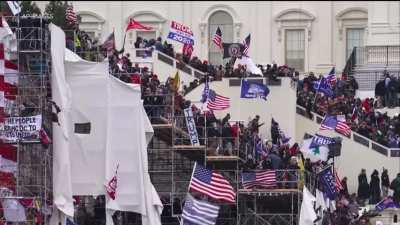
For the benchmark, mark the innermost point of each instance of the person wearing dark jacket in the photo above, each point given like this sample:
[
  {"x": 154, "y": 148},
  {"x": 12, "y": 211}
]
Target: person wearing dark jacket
[
  {"x": 395, "y": 186},
  {"x": 363, "y": 187},
  {"x": 345, "y": 190},
  {"x": 385, "y": 183},
  {"x": 374, "y": 188}
]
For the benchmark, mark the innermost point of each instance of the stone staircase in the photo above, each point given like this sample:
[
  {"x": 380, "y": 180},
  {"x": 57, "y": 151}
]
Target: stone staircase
[{"x": 367, "y": 64}]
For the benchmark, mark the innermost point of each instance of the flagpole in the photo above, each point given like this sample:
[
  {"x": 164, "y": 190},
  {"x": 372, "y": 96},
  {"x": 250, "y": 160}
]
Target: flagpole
[{"x": 191, "y": 178}]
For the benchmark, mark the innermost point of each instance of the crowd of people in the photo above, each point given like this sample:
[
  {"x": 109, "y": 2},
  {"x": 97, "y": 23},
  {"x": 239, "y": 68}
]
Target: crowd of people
[
  {"x": 361, "y": 115},
  {"x": 225, "y": 137}
]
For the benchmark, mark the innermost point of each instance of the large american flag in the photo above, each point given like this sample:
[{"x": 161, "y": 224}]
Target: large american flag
[
  {"x": 199, "y": 212},
  {"x": 211, "y": 184},
  {"x": 216, "y": 101},
  {"x": 218, "y": 38},
  {"x": 246, "y": 45},
  {"x": 259, "y": 178},
  {"x": 328, "y": 123},
  {"x": 331, "y": 77},
  {"x": 338, "y": 182},
  {"x": 70, "y": 15},
  {"x": 342, "y": 126},
  {"x": 337, "y": 123}
]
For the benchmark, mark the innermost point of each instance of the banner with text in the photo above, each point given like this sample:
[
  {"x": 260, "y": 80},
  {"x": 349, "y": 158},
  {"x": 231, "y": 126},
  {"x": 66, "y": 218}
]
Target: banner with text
[
  {"x": 191, "y": 126},
  {"x": 22, "y": 128},
  {"x": 181, "y": 33}
]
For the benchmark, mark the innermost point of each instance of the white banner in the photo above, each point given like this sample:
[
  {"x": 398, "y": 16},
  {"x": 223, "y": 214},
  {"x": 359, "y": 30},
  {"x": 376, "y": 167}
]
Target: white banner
[
  {"x": 191, "y": 126},
  {"x": 14, "y": 6},
  {"x": 22, "y": 128}
]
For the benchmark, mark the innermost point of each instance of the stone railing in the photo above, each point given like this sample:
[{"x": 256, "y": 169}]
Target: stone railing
[{"x": 368, "y": 143}]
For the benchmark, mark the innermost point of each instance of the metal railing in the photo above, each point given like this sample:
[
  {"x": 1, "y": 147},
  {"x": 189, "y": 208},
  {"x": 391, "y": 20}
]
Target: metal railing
[
  {"x": 178, "y": 65},
  {"x": 350, "y": 63},
  {"x": 382, "y": 55},
  {"x": 389, "y": 152}
]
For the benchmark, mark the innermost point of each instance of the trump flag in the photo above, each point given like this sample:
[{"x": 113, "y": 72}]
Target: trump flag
[{"x": 251, "y": 89}]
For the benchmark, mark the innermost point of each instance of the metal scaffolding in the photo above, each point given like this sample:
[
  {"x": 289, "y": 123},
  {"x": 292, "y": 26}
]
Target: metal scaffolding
[
  {"x": 171, "y": 160},
  {"x": 33, "y": 180}
]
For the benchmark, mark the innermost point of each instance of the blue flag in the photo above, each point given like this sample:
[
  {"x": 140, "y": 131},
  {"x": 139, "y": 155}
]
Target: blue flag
[
  {"x": 328, "y": 184},
  {"x": 69, "y": 222},
  {"x": 323, "y": 86},
  {"x": 319, "y": 140},
  {"x": 387, "y": 203},
  {"x": 251, "y": 89},
  {"x": 205, "y": 94}
]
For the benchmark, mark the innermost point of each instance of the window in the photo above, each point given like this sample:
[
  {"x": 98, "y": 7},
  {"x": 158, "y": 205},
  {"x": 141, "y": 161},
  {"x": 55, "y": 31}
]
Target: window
[
  {"x": 143, "y": 34},
  {"x": 294, "y": 49},
  {"x": 354, "y": 38},
  {"x": 224, "y": 21}
]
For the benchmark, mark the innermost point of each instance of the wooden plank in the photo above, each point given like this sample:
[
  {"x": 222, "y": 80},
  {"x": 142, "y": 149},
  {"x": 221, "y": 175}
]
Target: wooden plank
[
  {"x": 189, "y": 147},
  {"x": 220, "y": 158},
  {"x": 161, "y": 126},
  {"x": 277, "y": 190}
]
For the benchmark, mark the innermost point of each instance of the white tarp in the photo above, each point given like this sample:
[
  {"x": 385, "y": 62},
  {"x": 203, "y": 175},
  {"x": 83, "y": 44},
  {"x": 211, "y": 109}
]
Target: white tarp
[
  {"x": 62, "y": 186},
  {"x": 116, "y": 131}
]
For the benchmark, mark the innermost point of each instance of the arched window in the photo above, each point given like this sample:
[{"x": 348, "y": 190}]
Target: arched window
[
  {"x": 224, "y": 21},
  {"x": 91, "y": 23}
]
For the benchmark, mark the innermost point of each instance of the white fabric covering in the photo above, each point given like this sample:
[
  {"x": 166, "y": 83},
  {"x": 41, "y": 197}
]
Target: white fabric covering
[
  {"x": 62, "y": 186},
  {"x": 119, "y": 133}
]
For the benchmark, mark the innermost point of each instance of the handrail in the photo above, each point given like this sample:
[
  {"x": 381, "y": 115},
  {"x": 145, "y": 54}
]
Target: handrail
[
  {"x": 350, "y": 63},
  {"x": 193, "y": 70},
  {"x": 384, "y": 55},
  {"x": 390, "y": 152}
]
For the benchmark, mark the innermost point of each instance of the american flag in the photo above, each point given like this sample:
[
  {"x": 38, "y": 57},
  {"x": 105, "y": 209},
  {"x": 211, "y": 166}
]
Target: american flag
[
  {"x": 211, "y": 184},
  {"x": 246, "y": 45},
  {"x": 218, "y": 38},
  {"x": 216, "y": 101},
  {"x": 70, "y": 15},
  {"x": 259, "y": 178},
  {"x": 328, "y": 123},
  {"x": 337, "y": 123},
  {"x": 342, "y": 126},
  {"x": 109, "y": 43},
  {"x": 338, "y": 182},
  {"x": 331, "y": 77},
  {"x": 199, "y": 212}
]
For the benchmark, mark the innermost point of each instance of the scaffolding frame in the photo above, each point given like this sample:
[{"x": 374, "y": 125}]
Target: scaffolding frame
[
  {"x": 171, "y": 160},
  {"x": 34, "y": 164},
  {"x": 230, "y": 167}
]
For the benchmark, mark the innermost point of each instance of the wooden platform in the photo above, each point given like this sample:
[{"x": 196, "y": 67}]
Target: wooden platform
[
  {"x": 162, "y": 126},
  {"x": 223, "y": 158},
  {"x": 272, "y": 190},
  {"x": 189, "y": 147}
]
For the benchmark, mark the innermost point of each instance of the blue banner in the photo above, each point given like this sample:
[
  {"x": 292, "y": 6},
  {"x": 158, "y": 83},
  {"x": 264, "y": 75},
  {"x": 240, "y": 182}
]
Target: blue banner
[
  {"x": 327, "y": 181},
  {"x": 251, "y": 89},
  {"x": 319, "y": 140},
  {"x": 191, "y": 126},
  {"x": 180, "y": 38}
]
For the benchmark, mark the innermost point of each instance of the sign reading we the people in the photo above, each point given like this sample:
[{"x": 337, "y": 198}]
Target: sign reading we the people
[{"x": 22, "y": 128}]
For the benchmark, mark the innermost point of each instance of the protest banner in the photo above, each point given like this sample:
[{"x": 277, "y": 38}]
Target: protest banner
[
  {"x": 191, "y": 126},
  {"x": 22, "y": 128},
  {"x": 180, "y": 33}
]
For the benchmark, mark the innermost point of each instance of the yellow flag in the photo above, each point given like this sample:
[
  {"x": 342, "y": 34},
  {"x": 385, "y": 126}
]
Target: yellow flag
[
  {"x": 300, "y": 164},
  {"x": 77, "y": 41},
  {"x": 177, "y": 81}
]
